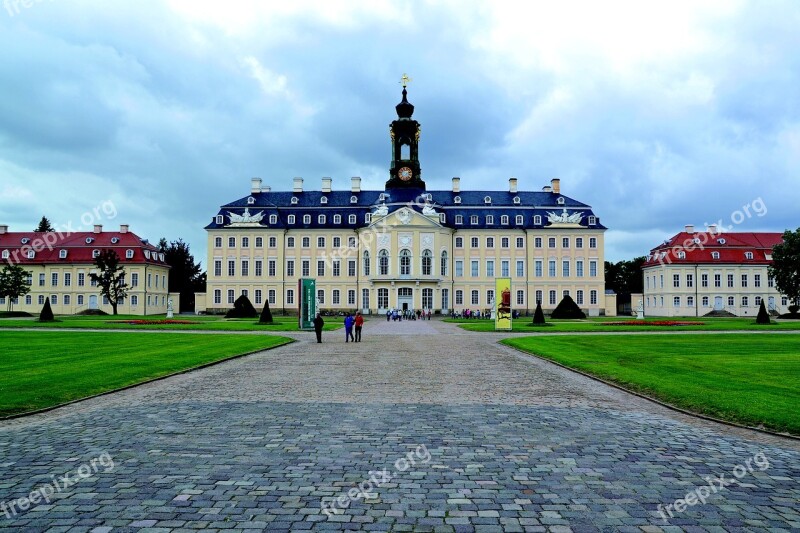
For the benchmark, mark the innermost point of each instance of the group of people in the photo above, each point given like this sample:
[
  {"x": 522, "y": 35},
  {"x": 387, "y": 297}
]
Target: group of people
[
  {"x": 467, "y": 313},
  {"x": 407, "y": 314},
  {"x": 351, "y": 323}
]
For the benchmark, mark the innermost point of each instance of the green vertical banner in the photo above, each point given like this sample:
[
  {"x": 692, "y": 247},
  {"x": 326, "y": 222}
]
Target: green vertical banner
[
  {"x": 502, "y": 304},
  {"x": 307, "y": 290}
]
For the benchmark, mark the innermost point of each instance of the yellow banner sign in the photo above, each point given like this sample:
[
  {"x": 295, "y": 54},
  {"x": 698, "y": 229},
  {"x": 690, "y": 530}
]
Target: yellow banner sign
[{"x": 502, "y": 304}]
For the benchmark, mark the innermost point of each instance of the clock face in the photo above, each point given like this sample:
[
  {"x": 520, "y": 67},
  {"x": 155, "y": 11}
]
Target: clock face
[{"x": 405, "y": 173}]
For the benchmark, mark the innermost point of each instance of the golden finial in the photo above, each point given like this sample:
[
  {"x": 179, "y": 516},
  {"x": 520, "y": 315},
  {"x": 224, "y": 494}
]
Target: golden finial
[{"x": 405, "y": 80}]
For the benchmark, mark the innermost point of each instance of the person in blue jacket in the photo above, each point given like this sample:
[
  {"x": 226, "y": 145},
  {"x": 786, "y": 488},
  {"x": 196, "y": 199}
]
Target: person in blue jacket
[{"x": 348, "y": 328}]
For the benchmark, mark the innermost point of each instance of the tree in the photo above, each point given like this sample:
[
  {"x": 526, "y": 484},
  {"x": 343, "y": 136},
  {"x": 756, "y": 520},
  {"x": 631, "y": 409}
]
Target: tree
[
  {"x": 44, "y": 226},
  {"x": 111, "y": 278},
  {"x": 625, "y": 277},
  {"x": 242, "y": 308},
  {"x": 763, "y": 316},
  {"x": 13, "y": 283},
  {"x": 185, "y": 276},
  {"x": 47, "y": 312},
  {"x": 538, "y": 315},
  {"x": 266, "y": 315},
  {"x": 785, "y": 267},
  {"x": 567, "y": 308}
]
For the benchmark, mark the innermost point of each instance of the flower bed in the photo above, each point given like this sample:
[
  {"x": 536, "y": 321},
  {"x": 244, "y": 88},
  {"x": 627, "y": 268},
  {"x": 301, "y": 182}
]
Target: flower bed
[
  {"x": 654, "y": 323},
  {"x": 152, "y": 322}
]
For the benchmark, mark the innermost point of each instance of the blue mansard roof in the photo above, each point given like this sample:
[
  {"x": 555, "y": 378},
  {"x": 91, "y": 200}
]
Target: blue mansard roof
[{"x": 452, "y": 204}]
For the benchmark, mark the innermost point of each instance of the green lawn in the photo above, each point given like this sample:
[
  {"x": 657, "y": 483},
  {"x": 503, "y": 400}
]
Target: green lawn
[
  {"x": 600, "y": 324},
  {"x": 45, "y": 368},
  {"x": 749, "y": 379},
  {"x": 198, "y": 323}
]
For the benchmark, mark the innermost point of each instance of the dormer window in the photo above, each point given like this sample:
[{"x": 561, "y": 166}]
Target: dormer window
[
  {"x": 323, "y": 200},
  {"x": 354, "y": 199},
  {"x": 382, "y": 197},
  {"x": 128, "y": 254},
  {"x": 273, "y": 219},
  {"x": 518, "y": 220},
  {"x": 442, "y": 218},
  {"x": 560, "y": 200},
  {"x": 25, "y": 240},
  {"x": 457, "y": 200},
  {"x": 537, "y": 220},
  {"x": 294, "y": 200},
  {"x": 290, "y": 219},
  {"x": 473, "y": 219},
  {"x": 459, "y": 219},
  {"x": 696, "y": 240},
  {"x": 429, "y": 197},
  {"x": 748, "y": 255},
  {"x": 504, "y": 219},
  {"x": 31, "y": 254},
  {"x": 681, "y": 255},
  {"x": 351, "y": 219},
  {"x": 220, "y": 220},
  {"x": 306, "y": 219},
  {"x": 89, "y": 240},
  {"x": 114, "y": 240},
  {"x": 62, "y": 254},
  {"x": 161, "y": 257},
  {"x": 337, "y": 219},
  {"x": 489, "y": 219},
  {"x": 5, "y": 254},
  {"x": 517, "y": 201},
  {"x": 592, "y": 221},
  {"x": 721, "y": 241},
  {"x": 321, "y": 219},
  {"x": 714, "y": 255},
  {"x": 147, "y": 254},
  {"x": 367, "y": 218},
  {"x": 251, "y": 201},
  {"x": 487, "y": 199},
  {"x": 95, "y": 253}
]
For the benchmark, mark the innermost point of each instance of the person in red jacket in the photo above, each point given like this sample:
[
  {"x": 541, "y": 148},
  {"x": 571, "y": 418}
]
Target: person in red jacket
[{"x": 359, "y": 323}]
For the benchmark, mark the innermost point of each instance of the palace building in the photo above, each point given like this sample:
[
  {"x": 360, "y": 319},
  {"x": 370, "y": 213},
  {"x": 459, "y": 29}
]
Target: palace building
[
  {"x": 697, "y": 272},
  {"x": 405, "y": 246},
  {"x": 59, "y": 264}
]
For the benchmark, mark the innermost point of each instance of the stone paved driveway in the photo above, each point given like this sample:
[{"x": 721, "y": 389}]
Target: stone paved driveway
[{"x": 421, "y": 427}]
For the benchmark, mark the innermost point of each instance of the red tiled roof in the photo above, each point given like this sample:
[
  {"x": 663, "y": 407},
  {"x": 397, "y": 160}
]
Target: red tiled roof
[
  {"x": 48, "y": 246},
  {"x": 699, "y": 248}
]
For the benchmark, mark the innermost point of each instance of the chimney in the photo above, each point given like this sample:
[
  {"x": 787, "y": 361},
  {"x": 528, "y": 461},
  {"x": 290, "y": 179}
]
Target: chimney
[
  {"x": 512, "y": 185},
  {"x": 326, "y": 184},
  {"x": 456, "y": 184},
  {"x": 123, "y": 228},
  {"x": 547, "y": 188},
  {"x": 556, "y": 184},
  {"x": 298, "y": 185},
  {"x": 255, "y": 185},
  {"x": 689, "y": 228},
  {"x": 98, "y": 228},
  {"x": 3, "y": 230},
  {"x": 355, "y": 184},
  {"x": 712, "y": 229},
  {"x": 266, "y": 188}
]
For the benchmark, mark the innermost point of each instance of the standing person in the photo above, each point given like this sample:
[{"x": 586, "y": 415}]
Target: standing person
[
  {"x": 318, "y": 323},
  {"x": 429, "y": 314},
  {"x": 359, "y": 322},
  {"x": 388, "y": 315},
  {"x": 348, "y": 328}
]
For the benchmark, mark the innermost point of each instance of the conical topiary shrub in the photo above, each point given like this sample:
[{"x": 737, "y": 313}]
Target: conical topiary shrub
[
  {"x": 567, "y": 309},
  {"x": 47, "y": 312},
  {"x": 266, "y": 315},
  {"x": 242, "y": 308},
  {"x": 763, "y": 316},
  {"x": 538, "y": 315}
]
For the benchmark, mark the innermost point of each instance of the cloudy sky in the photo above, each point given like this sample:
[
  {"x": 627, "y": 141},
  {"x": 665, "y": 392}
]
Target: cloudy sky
[{"x": 658, "y": 114}]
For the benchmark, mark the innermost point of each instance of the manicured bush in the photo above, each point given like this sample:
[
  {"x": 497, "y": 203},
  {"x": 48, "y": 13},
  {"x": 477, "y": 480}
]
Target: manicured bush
[
  {"x": 568, "y": 309},
  {"x": 763, "y": 316},
  {"x": 538, "y": 315},
  {"x": 47, "y": 312},
  {"x": 266, "y": 315},
  {"x": 242, "y": 308}
]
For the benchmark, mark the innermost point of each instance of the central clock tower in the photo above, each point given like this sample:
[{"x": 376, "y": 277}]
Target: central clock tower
[{"x": 405, "y": 132}]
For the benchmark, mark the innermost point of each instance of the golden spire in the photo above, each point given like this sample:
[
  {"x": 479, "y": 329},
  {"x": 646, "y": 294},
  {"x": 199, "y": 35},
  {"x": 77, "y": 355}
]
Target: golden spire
[{"x": 405, "y": 80}]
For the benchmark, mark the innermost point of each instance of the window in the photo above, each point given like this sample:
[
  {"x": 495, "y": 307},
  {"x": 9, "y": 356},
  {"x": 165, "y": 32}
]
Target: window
[
  {"x": 745, "y": 301},
  {"x": 290, "y": 242},
  {"x": 552, "y": 297},
  {"x": 690, "y": 301},
  {"x": 290, "y": 268},
  {"x": 565, "y": 268},
  {"x": 305, "y": 268},
  {"x": 560, "y": 200},
  {"x": 520, "y": 268},
  {"x": 442, "y": 218},
  {"x": 537, "y": 268},
  {"x": 459, "y": 219},
  {"x": 474, "y": 242},
  {"x": 475, "y": 298},
  {"x": 290, "y": 219},
  {"x": 459, "y": 268},
  {"x": 457, "y": 200},
  {"x": 578, "y": 242},
  {"x": 405, "y": 263},
  {"x": 676, "y": 301},
  {"x": 714, "y": 255},
  {"x": 54, "y": 279},
  {"x": 520, "y": 297},
  {"x": 337, "y": 268},
  {"x": 245, "y": 242},
  {"x": 289, "y": 296},
  {"x": 427, "y": 298},
  {"x": 321, "y": 219},
  {"x": 489, "y": 219},
  {"x": 54, "y": 300},
  {"x": 579, "y": 268},
  {"x": 770, "y": 281},
  {"x": 321, "y": 296},
  {"x": 383, "y": 298},
  {"x": 474, "y": 267},
  {"x": 445, "y": 298},
  {"x": 320, "y": 242},
  {"x": 730, "y": 280},
  {"x": 427, "y": 263},
  {"x": 537, "y": 220},
  {"x": 717, "y": 280},
  {"x": 487, "y": 199},
  {"x": 351, "y": 268},
  {"x": 490, "y": 242},
  {"x": 504, "y": 219},
  {"x": 258, "y": 296},
  {"x": 565, "y": 242},
  {"x": 519, "y": 220},
  {"x": 690, "y": 280},
  {"x": 351, "y": 242},
  {"x": 365, "y": 298},
  {"x": 593, "y": 297},
  {"x": 351, "y": 298},
  {"x": 744, "y": 280},
  {"x": 273, "y": 219},
  {"x": 245, "y": 269},
  {"x": 306, "y": 219},
  {"x": 551, "y": 242},
  {"x": 579, "y": 297},
  {"x": 704, "y": 280},
  {"x": 271, "y": 296},
  {"x": 352, "y": 218},
  {"x": 592, "y": 220},
  {"x": 520, "y": 242},
  {"x": 337, "y": 219},
  {"x": 551, "y": 268},
  {"x": 705, "y": 301},
  {"x": 323, "y": 200},
  {"x": 273, "y": 242},
  {"x": 320, "y": 267},
  {"x": 272, "y": 268},
  {"x": 135, "y": 276},
  {"x": 676, "y": 280},
  {"x": 383, "y": 263},
  {"x": 231, "y": 242},
  {"x": 306, "y": 242},
  {"x": 748, "y": 255},
  {"x": 335, "y": 297},
  {"x": 366, "y": 263},
  {"x": 732, "y": 301},
  {"x": 537, "y": 242},
  {"x": 96, "y": 253},
  {"x": 459, "y": 242},
  {"x": 337, "y": 242},
  {"x": 592, "y": 242},
  {"x": 784, "y": 301},
  {"x": 593, "y": 269},
  {"x": 459, "y": 297},
  {"x": 504, "y": 268},
  {"x": 473, "y": 220},
  {"x": 490, "y": 268},
  {"x": 231, "y": 296},
  {"x": 757, "y": 280}
]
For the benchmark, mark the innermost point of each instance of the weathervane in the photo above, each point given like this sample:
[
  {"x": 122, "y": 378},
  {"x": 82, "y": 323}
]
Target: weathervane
[{"x": 405, "y": 80}]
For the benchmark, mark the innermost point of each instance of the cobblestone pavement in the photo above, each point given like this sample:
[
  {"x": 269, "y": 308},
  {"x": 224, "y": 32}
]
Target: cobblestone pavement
[{"x": 457, "y": 433}]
